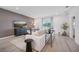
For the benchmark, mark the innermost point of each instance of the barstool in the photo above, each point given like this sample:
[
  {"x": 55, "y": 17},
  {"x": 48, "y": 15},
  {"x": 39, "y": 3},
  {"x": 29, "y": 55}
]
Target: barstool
[{"x": 28, "y": 45}]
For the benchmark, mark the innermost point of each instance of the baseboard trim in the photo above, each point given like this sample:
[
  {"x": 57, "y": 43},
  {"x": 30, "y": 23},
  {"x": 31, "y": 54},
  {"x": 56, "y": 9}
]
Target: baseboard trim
[{"x": 6, "y": 37}]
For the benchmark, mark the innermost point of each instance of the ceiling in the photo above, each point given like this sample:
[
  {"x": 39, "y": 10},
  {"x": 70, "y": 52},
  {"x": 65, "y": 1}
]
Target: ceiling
[{"x": 37, "y": 11}]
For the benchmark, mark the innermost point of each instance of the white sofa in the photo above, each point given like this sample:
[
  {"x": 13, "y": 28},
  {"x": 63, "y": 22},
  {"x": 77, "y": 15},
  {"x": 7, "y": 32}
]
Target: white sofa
[{"x": 38, "y": 40}]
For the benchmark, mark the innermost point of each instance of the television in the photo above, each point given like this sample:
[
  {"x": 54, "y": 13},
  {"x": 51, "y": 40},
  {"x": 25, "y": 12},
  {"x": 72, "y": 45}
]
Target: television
[{"x": 19, "y": 28}]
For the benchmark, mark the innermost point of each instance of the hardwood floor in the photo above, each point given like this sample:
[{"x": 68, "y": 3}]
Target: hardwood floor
[{"x": 60, "y": 44}]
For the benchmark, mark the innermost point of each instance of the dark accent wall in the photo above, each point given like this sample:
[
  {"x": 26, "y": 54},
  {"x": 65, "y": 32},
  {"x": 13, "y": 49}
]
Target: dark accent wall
[{"x": 6, "y": 22}]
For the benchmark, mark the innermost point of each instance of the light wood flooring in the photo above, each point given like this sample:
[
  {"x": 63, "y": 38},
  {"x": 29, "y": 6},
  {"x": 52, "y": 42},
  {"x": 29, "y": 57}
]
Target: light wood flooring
[{"x": 60, "y": 44}]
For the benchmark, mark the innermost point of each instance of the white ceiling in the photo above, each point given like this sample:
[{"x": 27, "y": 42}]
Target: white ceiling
[{"x": 36, "y": 11}]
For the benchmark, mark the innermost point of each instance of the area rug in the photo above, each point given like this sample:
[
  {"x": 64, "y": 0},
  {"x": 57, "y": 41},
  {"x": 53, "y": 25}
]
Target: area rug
[{"x": 19, "y": 43}]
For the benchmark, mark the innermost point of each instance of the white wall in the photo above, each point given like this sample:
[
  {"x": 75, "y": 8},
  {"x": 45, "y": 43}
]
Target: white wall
[
  {"x": 58, "y": 22},
  {"x": 38, "y": 23},
  {"x": 75, "y": 12},
  {"x": 70, "y": 28},
  {"x": 77, "y": 29}
]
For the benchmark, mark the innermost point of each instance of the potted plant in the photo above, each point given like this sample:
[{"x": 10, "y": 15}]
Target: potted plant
[{"x": 65, "y": 27}]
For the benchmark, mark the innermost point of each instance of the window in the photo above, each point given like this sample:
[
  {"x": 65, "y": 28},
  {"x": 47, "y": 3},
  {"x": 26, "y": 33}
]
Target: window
[{"x": 47, "y": 22}]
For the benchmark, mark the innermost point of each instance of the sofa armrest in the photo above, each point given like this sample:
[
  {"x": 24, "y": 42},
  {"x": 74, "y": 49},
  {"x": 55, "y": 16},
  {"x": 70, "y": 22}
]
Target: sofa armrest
[{"x": 38, "y": 41}]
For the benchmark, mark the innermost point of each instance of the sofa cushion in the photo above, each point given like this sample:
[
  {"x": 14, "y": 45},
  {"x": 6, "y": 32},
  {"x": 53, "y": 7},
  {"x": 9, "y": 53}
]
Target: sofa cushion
[{"x": 39, "y": 33}]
